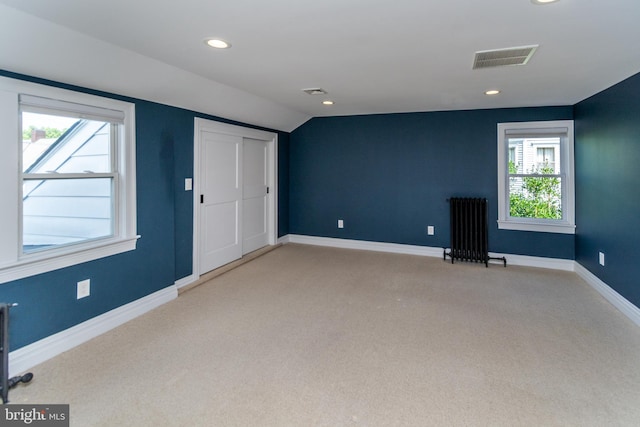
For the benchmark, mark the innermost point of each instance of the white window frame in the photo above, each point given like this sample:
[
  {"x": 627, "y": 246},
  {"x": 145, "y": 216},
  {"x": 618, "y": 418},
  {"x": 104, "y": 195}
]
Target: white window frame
[
  {"x": 541, "y": 129},
  {"x": 13, "y": 263}
]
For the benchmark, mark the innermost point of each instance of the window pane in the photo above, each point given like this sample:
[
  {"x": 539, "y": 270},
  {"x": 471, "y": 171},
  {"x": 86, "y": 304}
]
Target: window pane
[
  {"x": 515, "y": 155},
  {"x": 39, "y": 133},
  {"x": 534, "y": 155},
  {"x": 535, "y": 197},
  {"x": 546, "y": 159},
  {"x": 63, "y": 211},
  {"x": 59, "y": 144}
]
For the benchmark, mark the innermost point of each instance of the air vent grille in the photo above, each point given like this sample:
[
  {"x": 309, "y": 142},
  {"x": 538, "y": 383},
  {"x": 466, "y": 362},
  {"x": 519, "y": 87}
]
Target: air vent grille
[
  {"x": 502, "y": 57},
  {"x": 315, "y": 91}
]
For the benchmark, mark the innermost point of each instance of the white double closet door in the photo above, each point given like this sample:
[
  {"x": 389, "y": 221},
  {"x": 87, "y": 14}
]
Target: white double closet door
[{"x": 234, "y": 198}]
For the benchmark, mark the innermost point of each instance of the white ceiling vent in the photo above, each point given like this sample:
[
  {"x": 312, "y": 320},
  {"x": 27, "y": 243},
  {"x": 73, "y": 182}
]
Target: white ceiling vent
[
  {"x": 502, "y": 57},
  {"x": 315, "y": 91}
]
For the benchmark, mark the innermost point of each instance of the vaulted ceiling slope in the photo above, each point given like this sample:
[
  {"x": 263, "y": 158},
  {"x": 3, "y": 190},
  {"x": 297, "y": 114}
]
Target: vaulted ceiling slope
[{"x": 371, "y": 56}]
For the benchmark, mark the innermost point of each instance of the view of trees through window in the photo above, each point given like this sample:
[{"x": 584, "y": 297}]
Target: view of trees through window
[
  {"x": 39, "y": 132},
  {"x": 534, "y": 178},
  {"x": 48, "y": 132},
  {"x": 535, "y": 196}
]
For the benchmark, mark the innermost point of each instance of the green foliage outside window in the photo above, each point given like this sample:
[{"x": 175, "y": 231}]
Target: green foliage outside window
[
  {"x": 49, "y": 132},
  {"x": 538, "y": 197}
]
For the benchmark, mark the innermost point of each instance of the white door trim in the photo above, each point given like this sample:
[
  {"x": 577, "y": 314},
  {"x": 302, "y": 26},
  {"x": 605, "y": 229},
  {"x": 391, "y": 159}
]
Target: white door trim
[{"x": 272, "y": 152}]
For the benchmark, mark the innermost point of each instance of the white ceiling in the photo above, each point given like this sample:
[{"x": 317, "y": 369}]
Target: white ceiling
[{"x": 373, "y": 56}]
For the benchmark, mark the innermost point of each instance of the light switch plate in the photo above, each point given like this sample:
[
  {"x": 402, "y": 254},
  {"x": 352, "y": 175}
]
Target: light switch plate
[{"x": 84, "y": 289}]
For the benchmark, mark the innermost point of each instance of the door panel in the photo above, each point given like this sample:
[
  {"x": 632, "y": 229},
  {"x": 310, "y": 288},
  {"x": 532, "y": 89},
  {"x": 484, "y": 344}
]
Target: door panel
[
  {"x": 254, "y": 225},
  {"x": 255, "y": 199},
  {"x": 221, "y": 200},
  {"x": 216, "y": 237}
]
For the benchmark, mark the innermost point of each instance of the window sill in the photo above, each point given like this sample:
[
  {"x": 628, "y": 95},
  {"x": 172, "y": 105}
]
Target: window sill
[
  {"x": 77, "y": 255},
  {"x": 538, "y": 227}
]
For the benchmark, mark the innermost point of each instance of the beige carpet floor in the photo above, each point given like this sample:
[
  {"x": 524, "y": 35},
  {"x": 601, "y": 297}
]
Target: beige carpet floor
[{"x": 312, "y": 336}]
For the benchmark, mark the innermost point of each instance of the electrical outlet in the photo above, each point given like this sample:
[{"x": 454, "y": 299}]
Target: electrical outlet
[
  {"x": 340, "y": 223},
  {"x": 601, "y": 258},
  {"x": 84, "y": 289},
  {"x": 431, "y": 230}
]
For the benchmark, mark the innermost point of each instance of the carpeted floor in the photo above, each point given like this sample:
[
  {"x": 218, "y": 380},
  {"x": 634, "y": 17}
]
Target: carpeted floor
[{"x": 312, "y": 336}]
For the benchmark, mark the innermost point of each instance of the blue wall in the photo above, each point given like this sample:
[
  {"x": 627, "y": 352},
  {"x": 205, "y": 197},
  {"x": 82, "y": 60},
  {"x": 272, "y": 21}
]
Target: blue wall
[
  {"x": 164, "y": 158},
  {"x": 607, "y": 159},
  {"x": 283, "y": 184},
  {"x": 388, "y": 176}
]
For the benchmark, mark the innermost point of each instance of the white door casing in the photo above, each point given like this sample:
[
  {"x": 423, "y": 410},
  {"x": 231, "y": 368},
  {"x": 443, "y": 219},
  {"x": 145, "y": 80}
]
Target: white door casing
[{"x": 248, "y": 232}]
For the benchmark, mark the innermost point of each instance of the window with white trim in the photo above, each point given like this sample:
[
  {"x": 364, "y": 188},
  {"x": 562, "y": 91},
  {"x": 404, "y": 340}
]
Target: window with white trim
[
  {"x": 536, "y": 176},
  {"x": 68, "y": 178}
]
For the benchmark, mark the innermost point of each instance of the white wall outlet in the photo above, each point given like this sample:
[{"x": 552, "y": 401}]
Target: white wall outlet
[
  {"x": 431, "y": 230},
  {"x": 340, "y": 223},
  {"x": 188, "y": 184},
  {"x": 601, "y": 258},
  {"x": 84, "y": 289}
]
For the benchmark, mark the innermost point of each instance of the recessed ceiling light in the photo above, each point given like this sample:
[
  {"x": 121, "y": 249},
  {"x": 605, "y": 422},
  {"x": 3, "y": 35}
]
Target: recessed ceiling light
[
  {"x": 217, "y": 43},
  {"x": 327, "y": 102},
  {"x": 543, "y": 1},
  {"x": 492, "y": 92}
]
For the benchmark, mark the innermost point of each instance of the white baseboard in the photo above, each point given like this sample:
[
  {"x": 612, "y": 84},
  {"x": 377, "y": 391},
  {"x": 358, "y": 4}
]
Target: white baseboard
[
  {"x": 528, "y": 261},
  {"x": 186, "y": 281},
  {"x": 364, "y": 245},
  {"x": 29, "y": 356},
  {"x": 536, "y": 261},
  {"x": 617, "y": 300}
]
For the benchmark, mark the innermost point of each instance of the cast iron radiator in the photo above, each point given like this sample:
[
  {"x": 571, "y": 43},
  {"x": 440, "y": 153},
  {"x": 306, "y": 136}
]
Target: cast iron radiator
[
  {"x": 469, "y": 230},
  {"x": 5, "y": 382}
]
